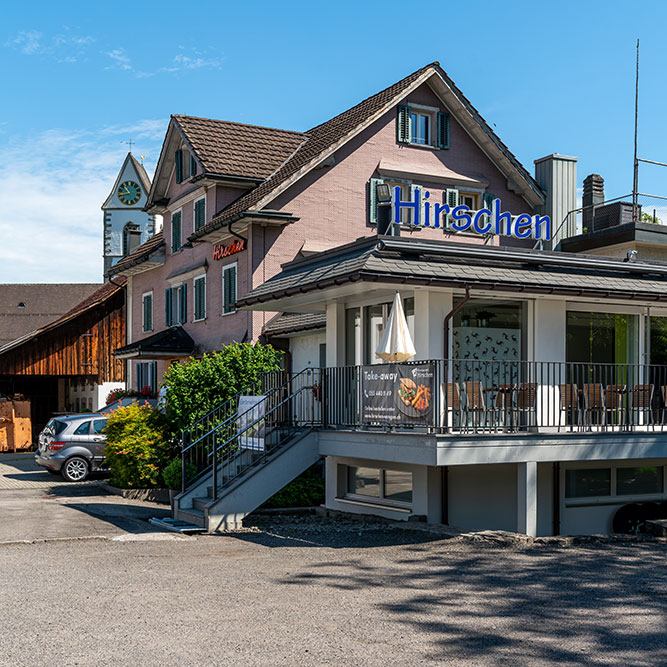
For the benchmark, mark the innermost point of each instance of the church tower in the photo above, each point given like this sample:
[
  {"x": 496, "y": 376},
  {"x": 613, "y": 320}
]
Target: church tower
[{"x": 126, "y": 224}]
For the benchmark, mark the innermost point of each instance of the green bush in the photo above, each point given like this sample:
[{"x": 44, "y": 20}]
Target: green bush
[
  {"x": 199, "y": 385},
  {"x": 138, "y": 447},
  {"x": 172, "y": 473},
  {"x": 305, "y": 491}
]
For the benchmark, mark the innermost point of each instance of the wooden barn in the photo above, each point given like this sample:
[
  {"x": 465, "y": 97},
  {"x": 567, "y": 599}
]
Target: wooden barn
[{"x": 68, "y": 365}]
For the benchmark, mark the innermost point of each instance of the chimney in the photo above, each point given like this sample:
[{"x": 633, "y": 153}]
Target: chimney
[
  {"x": 557, "y": 176},
  {"x": 593, "y": 196}
]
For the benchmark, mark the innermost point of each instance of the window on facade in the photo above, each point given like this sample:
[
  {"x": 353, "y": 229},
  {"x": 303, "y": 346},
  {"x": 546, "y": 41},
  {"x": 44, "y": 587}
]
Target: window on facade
[
  {"x": 176, "y": 305},
  {"x": 385, "y": 486},
  {"x": 200, "y": 297},
  {"x": 176, "y": 232},
  {"x": 147, "y": 375},
  {"x": 639, "y": 481},
  {"x": 468, "y": 199},
  {"x": 147, "y": 303},
  {"x": 228, "y": 289},
  {"x": 374, "y": 320},
  {"x": 200, "y": 213},
  {"x": 131, "y": 238},
  {"x": 422, "y": 126},
  {"x": 587, "y": 482},
  {"x": 602, "y": 338}
]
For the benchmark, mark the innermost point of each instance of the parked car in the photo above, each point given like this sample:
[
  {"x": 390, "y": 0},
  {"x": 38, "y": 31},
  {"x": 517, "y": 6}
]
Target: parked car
[{"x": 72, "y": 445}]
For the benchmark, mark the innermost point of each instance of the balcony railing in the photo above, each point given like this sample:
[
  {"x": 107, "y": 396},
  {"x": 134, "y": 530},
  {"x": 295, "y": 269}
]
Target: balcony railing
[{"x": 504, "y": 397}]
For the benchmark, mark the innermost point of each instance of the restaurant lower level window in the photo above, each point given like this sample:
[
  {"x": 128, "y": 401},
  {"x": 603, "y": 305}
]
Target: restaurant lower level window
[
  {"x": 588, "y": 482},
  {"x": 390, "y": 487},
  {"x": 639, "y": 480}
]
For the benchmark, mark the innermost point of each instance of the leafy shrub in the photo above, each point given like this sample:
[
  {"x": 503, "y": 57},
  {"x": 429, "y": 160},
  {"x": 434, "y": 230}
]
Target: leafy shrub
[
  {"x": 199, "y": 385},
  {"x": 138, "y": 447},
  {"x": 305, "y": 491},
  {"x": 172, "y": 473}
]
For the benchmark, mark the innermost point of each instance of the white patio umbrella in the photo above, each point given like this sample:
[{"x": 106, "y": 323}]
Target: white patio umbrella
[{"x": 396, "y": 343}]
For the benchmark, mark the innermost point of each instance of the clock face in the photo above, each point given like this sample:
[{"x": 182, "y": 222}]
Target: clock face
[{"x": 129, "y": 193}]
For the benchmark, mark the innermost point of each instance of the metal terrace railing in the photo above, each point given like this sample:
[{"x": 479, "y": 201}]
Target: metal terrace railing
[
  {"x": 504, "y": 397},
  {"x": 437, "y": 397}
]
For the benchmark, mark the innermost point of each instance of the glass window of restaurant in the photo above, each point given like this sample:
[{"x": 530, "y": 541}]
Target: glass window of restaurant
[
  {"x": 488, "y": 342},
  {"x": 602, "y": 349},
  {"x": 364, "y": 327}
]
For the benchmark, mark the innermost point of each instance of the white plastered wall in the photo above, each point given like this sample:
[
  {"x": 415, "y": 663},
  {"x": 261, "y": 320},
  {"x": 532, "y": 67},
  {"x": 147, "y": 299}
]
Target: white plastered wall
[{"x": 305, "y": 351}]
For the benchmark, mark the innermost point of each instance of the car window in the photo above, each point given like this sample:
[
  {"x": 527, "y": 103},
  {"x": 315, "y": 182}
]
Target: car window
[
  {"x": 55, "y": 427},
  {"x": 82, "y": 429},
  {"x": 98, "y": 425}
]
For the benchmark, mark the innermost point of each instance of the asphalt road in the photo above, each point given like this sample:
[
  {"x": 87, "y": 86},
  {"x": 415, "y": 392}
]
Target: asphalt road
[
  {"x": 330, "y": 596},
  {"x": 100, "y": 586}
]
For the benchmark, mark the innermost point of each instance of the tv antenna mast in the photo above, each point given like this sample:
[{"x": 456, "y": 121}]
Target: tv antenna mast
[{"x": 635, "y": 179}]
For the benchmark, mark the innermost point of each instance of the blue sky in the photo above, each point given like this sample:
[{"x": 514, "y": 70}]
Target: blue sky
[{"x": 81, "y": 78}]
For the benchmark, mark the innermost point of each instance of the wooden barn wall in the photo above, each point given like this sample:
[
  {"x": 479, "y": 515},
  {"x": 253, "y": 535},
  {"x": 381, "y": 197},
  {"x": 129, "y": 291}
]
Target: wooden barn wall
[{"x": 83, "y": 346}]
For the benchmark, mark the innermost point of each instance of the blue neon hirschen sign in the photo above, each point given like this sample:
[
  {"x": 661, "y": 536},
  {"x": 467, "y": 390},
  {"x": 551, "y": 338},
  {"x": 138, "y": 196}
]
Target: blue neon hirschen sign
[{"x": 463, "y": 219}]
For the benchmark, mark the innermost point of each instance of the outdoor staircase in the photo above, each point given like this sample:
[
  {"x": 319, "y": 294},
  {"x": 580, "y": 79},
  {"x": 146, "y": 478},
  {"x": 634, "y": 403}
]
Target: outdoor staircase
[{"x": 235, "y": 474}]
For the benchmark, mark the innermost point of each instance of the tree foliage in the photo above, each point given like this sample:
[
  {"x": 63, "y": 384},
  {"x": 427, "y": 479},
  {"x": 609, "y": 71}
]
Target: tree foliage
[{"x": 200, "y": 385}]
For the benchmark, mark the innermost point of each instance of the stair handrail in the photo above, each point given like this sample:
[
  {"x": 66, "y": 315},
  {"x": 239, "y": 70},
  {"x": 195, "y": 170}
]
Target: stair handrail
[
  {"x": 242, "y": 392},
  {"x": 204, "y": 457},
  {"x": 249, "y": 426}
]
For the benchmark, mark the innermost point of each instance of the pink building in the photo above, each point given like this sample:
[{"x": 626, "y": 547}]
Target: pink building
[{"x": 238, "y": 201}]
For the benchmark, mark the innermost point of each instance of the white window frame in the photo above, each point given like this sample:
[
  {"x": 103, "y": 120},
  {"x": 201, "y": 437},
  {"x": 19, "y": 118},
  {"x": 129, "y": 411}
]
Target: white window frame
[
  {"x": 377, "y": 500},
  {"x": 432, "y": 114},
  {"x": 225, "y": 268},
  {"x": 143, "y": 311},
  {"x": 194, "y": 206},
  {"x": 613, "y": 498},
  {"x": 195, "y": 280}
]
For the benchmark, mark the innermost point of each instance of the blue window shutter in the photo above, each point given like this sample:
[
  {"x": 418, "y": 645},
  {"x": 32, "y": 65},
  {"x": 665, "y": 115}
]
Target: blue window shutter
[
  {"x": 193, "y": 165},
  {"x": 168, "y": 310},
  {"x": 488, "y": 200},
  {"x": 139, "y": 376},
  {"x": 373, "y": 200},
  {"x": 183, "y": 306},
  {"x": 403, "y": 124},
  {"x": 443, "y": 130},
  {"x": 178, "y": 165}
]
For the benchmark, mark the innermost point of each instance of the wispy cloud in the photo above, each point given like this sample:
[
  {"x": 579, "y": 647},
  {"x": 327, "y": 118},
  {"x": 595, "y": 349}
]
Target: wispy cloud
[
  {"x": 181, "y": 62},
  {"x": 26, "y": 41},
  {"x": 64, "y": 46},
  {"x": 51, "y": 188}
]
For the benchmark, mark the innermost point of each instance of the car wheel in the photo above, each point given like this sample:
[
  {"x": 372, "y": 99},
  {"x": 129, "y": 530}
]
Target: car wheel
[{"x": 75, "y": 469}]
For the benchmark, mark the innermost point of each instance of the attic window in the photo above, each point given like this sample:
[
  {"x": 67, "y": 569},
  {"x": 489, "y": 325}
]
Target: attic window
[
  {"x": 422, "y": 126},
  {"x": 21, "y": 304}
]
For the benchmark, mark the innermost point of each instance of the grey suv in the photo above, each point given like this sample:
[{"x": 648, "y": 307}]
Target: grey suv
[{"x": 72, "y": 445}]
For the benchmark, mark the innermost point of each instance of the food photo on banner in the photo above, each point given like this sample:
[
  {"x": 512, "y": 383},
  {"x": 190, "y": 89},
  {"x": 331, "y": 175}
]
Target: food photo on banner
[
  {"x": 251, "y": 425},
  {"x": 398, "y": 393}
]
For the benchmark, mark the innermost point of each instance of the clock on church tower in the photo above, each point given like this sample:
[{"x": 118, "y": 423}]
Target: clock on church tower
[{"x": 126, "y": 224}]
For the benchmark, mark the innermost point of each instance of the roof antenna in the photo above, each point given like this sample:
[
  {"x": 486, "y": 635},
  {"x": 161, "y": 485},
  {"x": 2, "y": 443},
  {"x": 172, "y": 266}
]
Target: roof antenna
[
  {"x": 129, "y": 143},
  {"x": 635, "y": 179}
]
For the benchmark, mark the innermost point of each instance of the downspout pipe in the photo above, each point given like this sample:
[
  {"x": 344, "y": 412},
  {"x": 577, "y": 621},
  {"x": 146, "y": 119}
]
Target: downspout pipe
[
  {"x": 233, "y": 233},
  {"x": 448, "y": 317}
]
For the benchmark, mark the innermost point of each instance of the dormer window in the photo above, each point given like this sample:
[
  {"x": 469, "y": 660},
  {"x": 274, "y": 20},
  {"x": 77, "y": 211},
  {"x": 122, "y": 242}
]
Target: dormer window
[{"x": 422, "y": 126}]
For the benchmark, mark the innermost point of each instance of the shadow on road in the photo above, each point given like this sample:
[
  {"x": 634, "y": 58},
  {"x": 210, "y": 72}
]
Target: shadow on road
[{"x": 481, "y": 603}]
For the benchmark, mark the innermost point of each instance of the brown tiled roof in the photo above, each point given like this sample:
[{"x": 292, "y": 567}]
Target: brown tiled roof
[
  {"x": 237, "y": 149},
  {"x": 139, "y": 255},
  {"x": 319, "y": 139},
  {"x": 99, "y": 296},
  {"x": 43, "y": 303}
]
